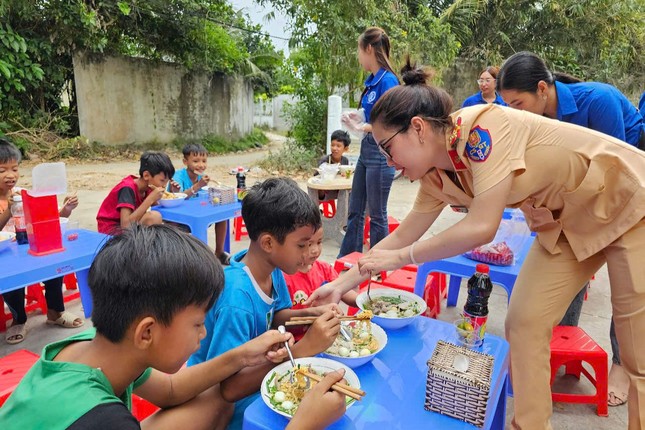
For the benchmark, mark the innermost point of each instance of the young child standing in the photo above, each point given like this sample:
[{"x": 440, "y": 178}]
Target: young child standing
[
  {"x": 151, "y": 288},
  {"x": 191, "y": 179},
  {"x": 128, "y": 202},
  {"x": 10, "y": 158},
  {"x": 281, "y": 220}
]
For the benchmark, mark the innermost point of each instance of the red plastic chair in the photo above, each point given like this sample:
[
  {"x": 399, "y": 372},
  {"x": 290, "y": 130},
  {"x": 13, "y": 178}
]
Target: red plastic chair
[
  {"x": 328, "y": 208},
  {"x": 392, "y": 224},
  {"x": 239, "y": 228},
  {"x": 12, "y": 369},
  {"x": 570, "y": 346}
]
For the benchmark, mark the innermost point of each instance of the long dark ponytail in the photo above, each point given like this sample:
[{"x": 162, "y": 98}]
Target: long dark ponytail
[{"x": 524, "y": 70}]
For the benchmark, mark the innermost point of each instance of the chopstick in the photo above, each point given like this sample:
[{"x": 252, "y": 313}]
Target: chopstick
[
  {"x": 310, "y": 320},
  {"x": 345, "y": 389}
]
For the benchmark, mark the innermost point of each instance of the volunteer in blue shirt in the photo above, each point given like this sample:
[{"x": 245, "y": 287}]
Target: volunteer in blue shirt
[
  {"x": 487, "y": 94},
  {"x": 526, "y": 83},
  {"x": 372, "y": 177},
  {"x": 641, "y": 105}
]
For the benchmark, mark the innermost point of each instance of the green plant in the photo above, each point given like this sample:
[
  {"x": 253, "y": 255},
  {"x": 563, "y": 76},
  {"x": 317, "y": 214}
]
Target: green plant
[
  {"x": 221, "y": 145},
  {"x": 291, "y": 159}
]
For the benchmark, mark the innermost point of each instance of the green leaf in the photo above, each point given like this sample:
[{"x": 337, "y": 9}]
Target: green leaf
[
  {"x": 4, "y": 69},
  {"x": 124, "y": 8}
]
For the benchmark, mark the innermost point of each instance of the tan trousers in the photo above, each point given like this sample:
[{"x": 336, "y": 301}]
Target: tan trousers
[{"x": 544, "y": 289}]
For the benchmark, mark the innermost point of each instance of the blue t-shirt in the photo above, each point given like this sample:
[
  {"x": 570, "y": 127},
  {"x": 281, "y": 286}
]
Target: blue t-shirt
[
  {"x": 376, "y": 86},
  {"x": 600, "y": 107},
  {"x": 182, "y": 178},
  {"x": 242, "y": 312},
  {"x": 478, "y": 99},
  {"x": 641, "y": 105}
]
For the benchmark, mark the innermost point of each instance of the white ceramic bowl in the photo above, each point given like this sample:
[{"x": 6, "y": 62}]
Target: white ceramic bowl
[
  {"x": 392, "y": 323},
  {"x": 381, "y": 338},
  {"x": 171, "y": 203},
  {"x": 321, "y": 365},
  {"x": 5, "y": 239}
]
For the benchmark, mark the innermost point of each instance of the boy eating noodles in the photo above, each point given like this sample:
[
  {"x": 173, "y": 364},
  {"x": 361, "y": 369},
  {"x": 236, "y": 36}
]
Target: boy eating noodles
[
  {"x": 128, "y": 202},
  {"x": 191, "y": 179},
  {"x": 280, "y": 219},
  {"x": 151, "y": 288}
]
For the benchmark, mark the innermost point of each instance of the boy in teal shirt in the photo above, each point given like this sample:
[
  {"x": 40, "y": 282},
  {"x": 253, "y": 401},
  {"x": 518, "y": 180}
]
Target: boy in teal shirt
[
  {"x": 281, "y": 220},
  {"x": 151, "y": 288}
]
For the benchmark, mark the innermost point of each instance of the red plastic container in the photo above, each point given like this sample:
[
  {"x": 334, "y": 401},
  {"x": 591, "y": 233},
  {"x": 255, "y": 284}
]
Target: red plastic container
[{"x": 43, "y": 224}]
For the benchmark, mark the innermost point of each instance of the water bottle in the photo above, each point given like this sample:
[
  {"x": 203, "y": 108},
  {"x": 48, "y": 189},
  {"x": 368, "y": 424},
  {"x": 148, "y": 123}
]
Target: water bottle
[
  {"x": 476, "y": 308},
  {"x": 241, "y": 183},
  {"x": 20, "y": 225}
]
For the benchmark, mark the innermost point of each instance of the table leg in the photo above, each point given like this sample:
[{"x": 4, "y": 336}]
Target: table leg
[
  {"x": 227, "y": 239},
  {"x": 84, "y": 289},
  {"x": 453, "y": 290},
  {"x": 200, "y": 231},
  {"x": 499, "y": 419}
]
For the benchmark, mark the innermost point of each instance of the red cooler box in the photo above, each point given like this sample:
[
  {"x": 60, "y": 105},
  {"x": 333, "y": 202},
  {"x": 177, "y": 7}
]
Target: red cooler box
[{"x": 43, "y": 224}]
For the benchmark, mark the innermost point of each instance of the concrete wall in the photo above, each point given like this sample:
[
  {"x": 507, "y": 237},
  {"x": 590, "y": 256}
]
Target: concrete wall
[{"x": 124, "y": 100}]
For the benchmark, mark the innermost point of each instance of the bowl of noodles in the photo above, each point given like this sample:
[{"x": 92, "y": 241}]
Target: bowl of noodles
[
  {"x": 393, "y": 309},
  {"x": 171, "y": 200},
  {"x": 283, "y": 396},
  {"x": 368, "y": 339}
]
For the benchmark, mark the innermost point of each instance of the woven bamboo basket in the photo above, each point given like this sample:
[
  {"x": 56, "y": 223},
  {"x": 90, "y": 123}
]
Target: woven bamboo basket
[
  {"x": 221, "y": 195},
  {"x": 456, "y": 391}
]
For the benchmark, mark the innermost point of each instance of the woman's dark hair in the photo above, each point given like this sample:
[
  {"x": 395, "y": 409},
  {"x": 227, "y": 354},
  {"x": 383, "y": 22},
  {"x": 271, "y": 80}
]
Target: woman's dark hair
[
  {"x": 400, "y": 104},
  {"x": 492, "y": 70},
  {"x": 278, "y": 206},
  {"x": 377, "y": 38},
  {"x": 153, "y": 271},
  {"x": 524, "y": 70}
]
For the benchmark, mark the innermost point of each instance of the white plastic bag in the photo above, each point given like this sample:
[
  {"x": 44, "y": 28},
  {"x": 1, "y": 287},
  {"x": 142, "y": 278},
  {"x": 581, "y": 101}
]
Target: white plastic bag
[{"x": 354, "y": 121}]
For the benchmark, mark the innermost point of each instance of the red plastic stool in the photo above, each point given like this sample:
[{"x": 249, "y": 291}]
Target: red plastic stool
[
  {"x": 12, "y": 368},
  {"x": 141, "y": 408},
  {"x": 328, "y": 208},
  {"x": 570, "y": 346},
  {"x": 239, "y": 228},
  {"x": 392, "y": 224}
]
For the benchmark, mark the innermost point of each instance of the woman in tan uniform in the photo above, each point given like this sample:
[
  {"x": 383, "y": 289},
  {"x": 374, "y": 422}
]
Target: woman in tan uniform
[{"x": 583, "y": 192}]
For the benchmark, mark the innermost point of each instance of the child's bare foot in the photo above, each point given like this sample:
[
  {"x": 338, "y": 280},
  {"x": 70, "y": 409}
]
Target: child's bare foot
[{"x": 618, "y": 385}]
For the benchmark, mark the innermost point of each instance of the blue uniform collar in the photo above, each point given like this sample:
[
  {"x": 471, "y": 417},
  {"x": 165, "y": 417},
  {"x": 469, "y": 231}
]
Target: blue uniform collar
[
  {"x": 566, "y": 103},
  {"x": 375, "y": 79}
]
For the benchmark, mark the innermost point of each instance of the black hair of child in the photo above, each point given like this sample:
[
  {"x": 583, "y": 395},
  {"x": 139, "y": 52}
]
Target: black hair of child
[
  {"x": 9, "y": 151},
  {"x": 278, "y": 207},
  {"x": 194, "y": 149},
  {"x": 154, "y": 271},
  {"x": 155, "y": 162},
  {"x": 341, "y": 136}
]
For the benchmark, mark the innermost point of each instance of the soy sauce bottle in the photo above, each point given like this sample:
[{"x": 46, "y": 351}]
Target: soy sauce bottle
[
  {"x": 476, "y": 308},
  {"x": 20, "y": 225},
  {"x": 241, "y": 183}
]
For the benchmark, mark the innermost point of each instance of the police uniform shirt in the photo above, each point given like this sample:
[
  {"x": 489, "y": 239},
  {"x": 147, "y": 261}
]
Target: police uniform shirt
[
  {"x": 375, "y": 87},
  {"x": 568, "y": 179},
  {"x": 600, "y": 107}
]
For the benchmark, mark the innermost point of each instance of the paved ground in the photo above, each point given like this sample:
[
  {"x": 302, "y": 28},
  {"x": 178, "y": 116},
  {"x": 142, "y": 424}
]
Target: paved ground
[{"x": 595, "y": 318}]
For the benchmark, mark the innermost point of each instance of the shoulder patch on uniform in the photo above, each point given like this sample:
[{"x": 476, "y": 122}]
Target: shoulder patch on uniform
[{"x": 479, "y": 144}]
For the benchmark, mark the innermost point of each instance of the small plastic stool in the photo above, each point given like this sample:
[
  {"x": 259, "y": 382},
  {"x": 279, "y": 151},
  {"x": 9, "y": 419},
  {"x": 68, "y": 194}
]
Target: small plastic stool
[
  {"x": 328, "y": 208},
  {"x": 12, "y": 368},
  {"x": 392, "y": 224},
  {"x": 239, "y": 228},
  {"x": 141, "y": 408},
  {"x": 570, "y": 346}
]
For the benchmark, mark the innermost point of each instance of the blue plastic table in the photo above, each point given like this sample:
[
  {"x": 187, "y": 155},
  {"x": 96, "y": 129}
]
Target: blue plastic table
[
  {"x": 395, "y": 383},
  {"x": 20, "y": 269},
  {"x": 198, "y": 217},
  {"x": 461, "y": 267}
]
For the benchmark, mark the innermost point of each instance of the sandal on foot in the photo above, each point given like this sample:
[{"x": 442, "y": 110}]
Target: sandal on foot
[
  {"x": 224, "y": 258},
  {"x": 16, "y": 334},
  {"x": 67, "y": 320},
  {"x": 614, "y": 399}
]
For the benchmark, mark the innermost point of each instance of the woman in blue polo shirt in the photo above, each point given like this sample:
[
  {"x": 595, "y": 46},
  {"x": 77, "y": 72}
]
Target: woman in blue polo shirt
[
  {"x": 487, "y": 94},
  {"x": 526, "y": 83},
  {"x": 372, "y": 177}
]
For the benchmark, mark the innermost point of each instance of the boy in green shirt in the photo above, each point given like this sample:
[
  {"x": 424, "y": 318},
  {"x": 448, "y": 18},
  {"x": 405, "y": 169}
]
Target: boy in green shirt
[{"x": 151, "y": 288}]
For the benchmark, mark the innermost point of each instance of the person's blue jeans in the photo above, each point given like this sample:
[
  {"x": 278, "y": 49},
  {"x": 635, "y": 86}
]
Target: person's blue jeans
[{"x": 371, "y": 187}]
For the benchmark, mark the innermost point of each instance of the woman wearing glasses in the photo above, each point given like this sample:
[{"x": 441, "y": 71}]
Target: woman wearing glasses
[
  {"x": 487, "y": 80},
  {"x": 583, "y": 192},
  {"x": 527, "y": 84},
  {"x": 372, "y": 177}
]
